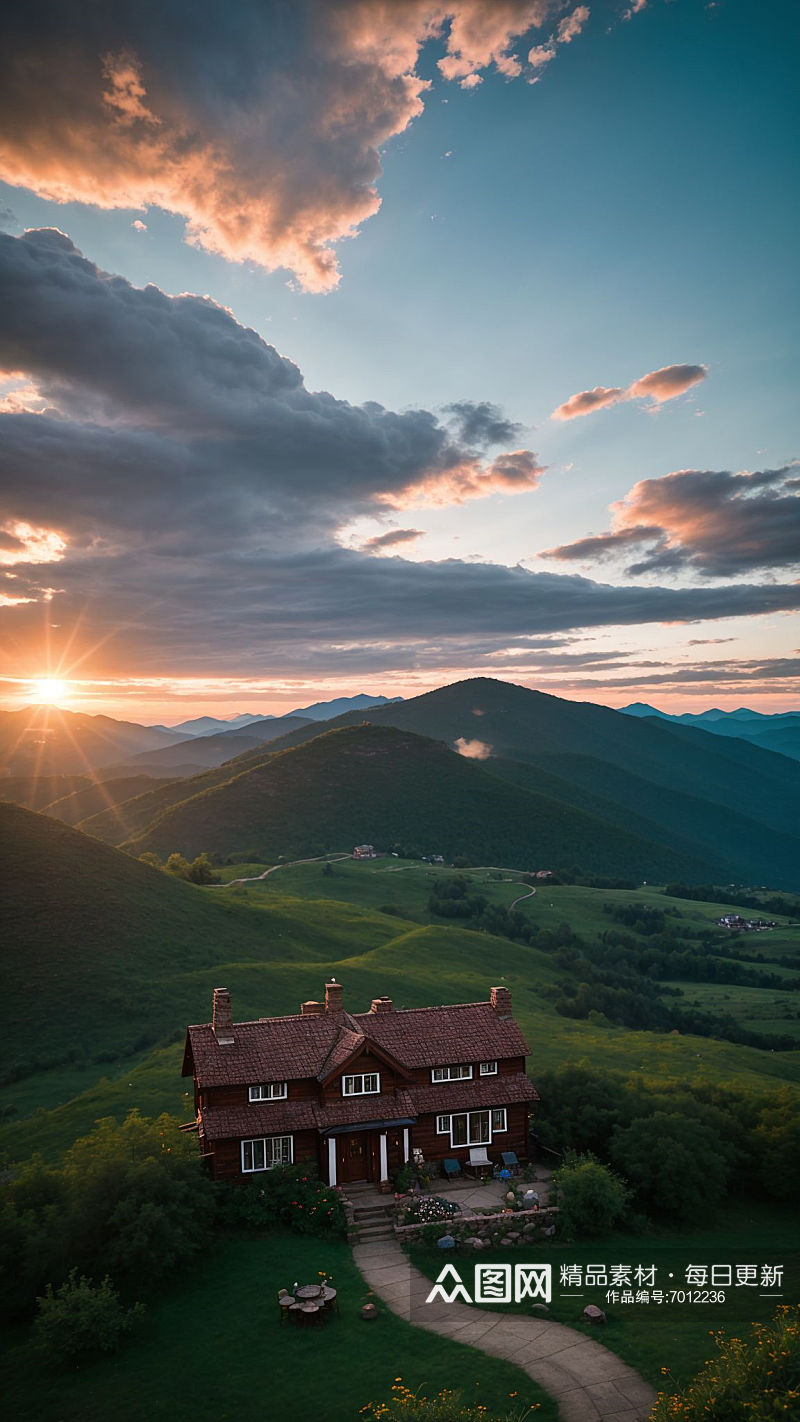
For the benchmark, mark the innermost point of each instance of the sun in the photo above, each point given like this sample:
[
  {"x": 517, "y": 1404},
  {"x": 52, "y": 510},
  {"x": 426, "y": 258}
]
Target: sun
[{"x": 51, "y": 690}]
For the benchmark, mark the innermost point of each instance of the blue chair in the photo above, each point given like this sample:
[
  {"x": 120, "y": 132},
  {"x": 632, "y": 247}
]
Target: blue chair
[
  {"x": 452, "y": 1167},
  {"x": 510, "y": 1160}
]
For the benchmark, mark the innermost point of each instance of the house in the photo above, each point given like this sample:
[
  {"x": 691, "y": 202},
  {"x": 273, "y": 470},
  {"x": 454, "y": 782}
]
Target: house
[
  {"x": 364, "y": 851},
  {"x": 358, "y": 1093}
]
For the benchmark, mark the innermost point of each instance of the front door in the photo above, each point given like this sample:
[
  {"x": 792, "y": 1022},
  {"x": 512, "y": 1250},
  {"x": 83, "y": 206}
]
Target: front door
[{"x": 354, "y": 1158}]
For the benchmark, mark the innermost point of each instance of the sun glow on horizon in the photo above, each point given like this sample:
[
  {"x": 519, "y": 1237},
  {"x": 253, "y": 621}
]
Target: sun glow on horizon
[{"x": 51, "y": 690}]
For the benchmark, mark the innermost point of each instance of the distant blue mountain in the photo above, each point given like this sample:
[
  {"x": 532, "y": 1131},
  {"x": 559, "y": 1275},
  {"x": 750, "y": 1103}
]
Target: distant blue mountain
[{"x": 779, "y": 732}]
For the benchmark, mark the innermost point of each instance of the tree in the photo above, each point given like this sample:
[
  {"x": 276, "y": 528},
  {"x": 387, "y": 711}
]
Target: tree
[
  {"x": 177, "y": 865},
  {"x": 677, "y": 1166},
  {"x": 150, "y": 858},
  {"x": 82, "y": 1317},
  {"x": 590, "y": 1197},
  {"x": 200, "y": 870}
]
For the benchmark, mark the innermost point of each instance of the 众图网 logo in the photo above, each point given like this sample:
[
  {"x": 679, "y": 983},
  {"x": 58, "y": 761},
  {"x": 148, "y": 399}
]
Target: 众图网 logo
[{"x": 494, "y": 1283}]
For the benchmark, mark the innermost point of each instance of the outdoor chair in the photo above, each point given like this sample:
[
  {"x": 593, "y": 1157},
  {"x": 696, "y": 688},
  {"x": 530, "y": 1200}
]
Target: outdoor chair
[
  {"x": 479, "y": 1159},
  {"x": 510, "y": 1161},
  {"x": 451, "y": 1167}
]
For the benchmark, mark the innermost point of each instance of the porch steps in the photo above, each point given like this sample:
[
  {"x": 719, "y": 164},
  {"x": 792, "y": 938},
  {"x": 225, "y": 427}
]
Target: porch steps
[{"x": 373, "y": 1213}]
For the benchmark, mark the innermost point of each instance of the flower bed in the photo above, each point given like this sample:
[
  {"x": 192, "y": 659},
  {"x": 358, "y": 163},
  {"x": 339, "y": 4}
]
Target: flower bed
[{"x": 421, "y": 1210}]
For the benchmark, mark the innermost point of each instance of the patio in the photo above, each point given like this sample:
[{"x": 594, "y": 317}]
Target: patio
[{"x": 475, "y": 1197}]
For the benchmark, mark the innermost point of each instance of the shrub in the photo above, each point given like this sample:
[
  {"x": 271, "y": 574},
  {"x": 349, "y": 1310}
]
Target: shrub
[
  {"x": 82, "y": 1317},
  {"x": 756, "y": 1379},
  {"x": 288, "y": 1197},
  {"x": 677, "y": 1166},
  {"x": 590, "y": 1197}
]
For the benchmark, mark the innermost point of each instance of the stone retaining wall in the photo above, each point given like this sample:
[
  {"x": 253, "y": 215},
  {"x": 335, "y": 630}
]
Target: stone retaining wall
[{"x": 509, "y": 1228}]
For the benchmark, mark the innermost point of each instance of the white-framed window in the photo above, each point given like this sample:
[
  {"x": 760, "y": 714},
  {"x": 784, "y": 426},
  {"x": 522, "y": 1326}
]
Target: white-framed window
[
  {"x": 363, "y": 1084},
  {"x": 442, "y": 1125},
  {"x": 263, "y": 1154},
  {"x": 468, "y": 1128},
  {"x": 499, "y": 1120},
  {"x": 488, "y": 1068},
  {"x": 451, "y": 1073},
  {"x": 269, "y": 1091}
]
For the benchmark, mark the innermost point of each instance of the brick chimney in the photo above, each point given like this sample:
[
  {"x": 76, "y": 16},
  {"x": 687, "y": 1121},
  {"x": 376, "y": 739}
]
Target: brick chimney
[
  {"x": 500, "y": 998},
  {"x": 382, "y": 1004},
  {"x": 221, "y": 1019},
  {"x": 312, "y": 1009},
  {"x": 333, "y": 996}
]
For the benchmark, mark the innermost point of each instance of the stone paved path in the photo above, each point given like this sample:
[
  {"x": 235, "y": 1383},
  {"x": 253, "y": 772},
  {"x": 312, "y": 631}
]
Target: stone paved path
[{"x": 588, "y": 1382}]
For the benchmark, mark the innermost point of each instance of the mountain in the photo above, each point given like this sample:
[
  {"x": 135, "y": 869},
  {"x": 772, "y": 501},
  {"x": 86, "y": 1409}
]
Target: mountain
[
  {"x": 327, "y": 710},
  {"x": 718, "y": 797},
  {"x": 44, "y": 740},
  {"x": 209, "y": 725},
  {"x": 377, "y": 784},
  {"x": 199, "y": 753},
  {"x": 779, "y": 733}
]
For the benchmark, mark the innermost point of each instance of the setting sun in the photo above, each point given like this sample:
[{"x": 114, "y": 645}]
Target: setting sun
[{"x": 51, "y": 690}]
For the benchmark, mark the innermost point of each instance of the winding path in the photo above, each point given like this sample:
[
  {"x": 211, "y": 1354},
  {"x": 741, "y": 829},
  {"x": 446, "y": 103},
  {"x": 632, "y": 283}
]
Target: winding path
[{"x": 589, "y": 1383}]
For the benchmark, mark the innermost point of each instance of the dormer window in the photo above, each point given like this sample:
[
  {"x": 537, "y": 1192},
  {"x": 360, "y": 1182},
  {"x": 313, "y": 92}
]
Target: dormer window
[
  {"x": 269, "y": 1091},
  {"x": 366, "y": 1083},
  {"x": 488, "y": 1068},
  {"x": 451, "y": 1073}
]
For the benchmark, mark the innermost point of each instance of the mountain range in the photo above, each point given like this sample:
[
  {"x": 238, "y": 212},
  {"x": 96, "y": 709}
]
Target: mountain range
[
  {"x": 482, "y": 769},
  {"x": 320, "y": 711},
  {"x": 779, "y": 732}
]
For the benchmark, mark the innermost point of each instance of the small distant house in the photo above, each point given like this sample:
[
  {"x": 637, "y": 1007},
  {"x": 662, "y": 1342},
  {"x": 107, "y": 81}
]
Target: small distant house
[
  {"x": 545, "y": 874},
  {"x": 364, "y": 851},
  {"x": 358, "y": 1093}
]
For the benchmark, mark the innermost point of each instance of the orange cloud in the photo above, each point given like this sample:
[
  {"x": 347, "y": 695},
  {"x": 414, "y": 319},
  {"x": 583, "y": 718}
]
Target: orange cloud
[
  {"x": 658, "y": 386},
  {"x": 514, "y": 473},
  {"x": 137, "y": 109}
]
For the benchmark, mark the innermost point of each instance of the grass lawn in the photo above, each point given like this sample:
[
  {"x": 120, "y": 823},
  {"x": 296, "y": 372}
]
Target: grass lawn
[
  {"x": 212, "y": 1348},
  {"x": 757, "y": 1009},
  {"x": 676, "y": 1336}
]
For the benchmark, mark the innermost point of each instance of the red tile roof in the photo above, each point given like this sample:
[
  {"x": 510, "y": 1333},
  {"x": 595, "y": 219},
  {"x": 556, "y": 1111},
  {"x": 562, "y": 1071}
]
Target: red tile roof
[
  {"x": 290, "y": 1048},
  {"x": 474, "y": 1095},
  {"x": 279, "y": 1117}
]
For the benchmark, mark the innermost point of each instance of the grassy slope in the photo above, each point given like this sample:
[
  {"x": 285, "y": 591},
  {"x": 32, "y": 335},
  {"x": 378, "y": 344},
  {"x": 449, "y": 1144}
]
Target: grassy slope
[
  {"x": 222, "y": 1316},
  {"x": 672, "y": 1335},
  {"x": 97, "y": 796},
  {"x": 371, "y": 783},
  {"x": 91, "y": 939},
  {"x": 36, "y": 792}
]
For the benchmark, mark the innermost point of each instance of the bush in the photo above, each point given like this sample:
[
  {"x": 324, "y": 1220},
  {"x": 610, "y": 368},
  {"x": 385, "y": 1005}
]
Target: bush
[
  {"x": 132, "y": 1198},
  {"x": 590, "y": 1197},
  {"x": 288, "y": 1197},
  {"x": 82, "y": 1318},
  {"x": 756, "y": 1379}
]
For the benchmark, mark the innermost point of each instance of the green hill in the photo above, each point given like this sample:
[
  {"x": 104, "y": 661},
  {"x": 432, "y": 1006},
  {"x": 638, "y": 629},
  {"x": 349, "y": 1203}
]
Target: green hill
[
  {"x": 96, "y": 796},
  {"x": 379, "y": 785},
  {"x": 91, "y": 940}
]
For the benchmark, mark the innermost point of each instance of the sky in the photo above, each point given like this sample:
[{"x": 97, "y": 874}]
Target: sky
[{"x": 348, "y": 347}]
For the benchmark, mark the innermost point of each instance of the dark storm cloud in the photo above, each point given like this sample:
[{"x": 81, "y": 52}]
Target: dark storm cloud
[
  {"x": 481, "y": 423},
  {"x": 711, "y": 521},
  {"x": 181, "y": 492}
]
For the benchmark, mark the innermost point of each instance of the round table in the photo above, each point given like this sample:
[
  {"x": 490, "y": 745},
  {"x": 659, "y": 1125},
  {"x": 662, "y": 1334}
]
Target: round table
[{"x": 308, "y": 1292}]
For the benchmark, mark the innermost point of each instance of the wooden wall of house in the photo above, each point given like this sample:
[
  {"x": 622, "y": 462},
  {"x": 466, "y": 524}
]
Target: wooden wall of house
[
  {"x": 365, "y": 1062},
  {"x": 226, "y": 1156},
  {"x": 436, "y": 1147}
]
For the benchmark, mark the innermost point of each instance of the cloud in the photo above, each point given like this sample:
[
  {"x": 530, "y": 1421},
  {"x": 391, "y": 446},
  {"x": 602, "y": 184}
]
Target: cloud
[
  {"x": 540, "y": 55},
  {"x": 188, "y": 491},
  {"x": 588, "y": 400},
  {"x": 571, "y": 25},
  {"x": 713, "y": 522},
  {"x": 392, "y": 539},
  {"x": 472, "y": 750},
  {"x": 139, "y": 226},
  {"x": 130, "y": 106},
  {"x": 480, "y": 423},
  {"x": 657, "y": 386}
]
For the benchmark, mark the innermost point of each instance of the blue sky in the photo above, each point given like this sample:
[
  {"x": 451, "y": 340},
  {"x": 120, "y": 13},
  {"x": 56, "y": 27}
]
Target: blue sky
[{"x": 634, "y": 209}]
